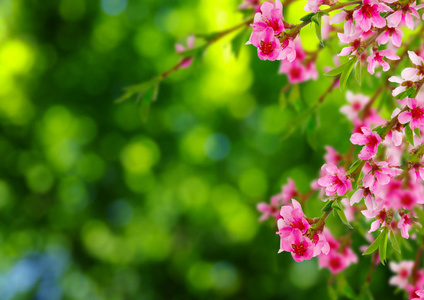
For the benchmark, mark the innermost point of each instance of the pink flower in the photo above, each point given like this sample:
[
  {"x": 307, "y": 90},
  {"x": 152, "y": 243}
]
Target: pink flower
[
  {"x": 180, "y": 48},
  {"x": 405, "y": 225},
  {"x": 415, "y": 115},
  {"x": 271, "y": 210},
  {"x": 403, "y": 270},
  {"x": 331, "y": 156},
  {"x": 361, "y": 193},
  {"x": 255, "y": 4},
  {"x": 288, "y": 50},
  {"x": 292, "y": 217},
  {"x": 404, "y": 84},
  {"x": 417, "y": 73},
  {"x": 377, "y": 57},
  {"x": 420, "y": 294},
  {"x": 357, "y": 103},
  {"x": 416, "y": 172},
  {"x": 346, "y": 16},
  {"x": 369, "y": 14},
  {"x": 377, "y": 175},
  {"x": 335, "y": 181},
  {"x": 268, "y": 46},
  {"x": 394, "y": 34},
  {"x": 354, "y": 40},
  {"x": 297, "y": 72},
  {"x": 404, "y": 16},
  {"x": 301, "y": 246},
  {"x": 381, "y": 217},
  {"x": 369, "y": 139},
  {"x": 272, "y": 16},
  {"x": 313, "y": 5},
  {"x": 338, "y": 258},
  {"x": 407, "y": 200}
]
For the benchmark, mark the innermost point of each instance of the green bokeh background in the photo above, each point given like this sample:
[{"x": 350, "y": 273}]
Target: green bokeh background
[{"x": 95, "y": 203}]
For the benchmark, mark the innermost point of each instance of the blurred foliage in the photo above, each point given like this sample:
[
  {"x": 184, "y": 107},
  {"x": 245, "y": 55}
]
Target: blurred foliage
[{"x": 97, "y": 204}]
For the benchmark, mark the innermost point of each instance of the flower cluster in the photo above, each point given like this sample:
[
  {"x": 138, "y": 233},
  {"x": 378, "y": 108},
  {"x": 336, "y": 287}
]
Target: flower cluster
[
  {"x": 297, "y": 236},
  {"x": 269, "y": 34},
  {"x": 408, "y": 279}
]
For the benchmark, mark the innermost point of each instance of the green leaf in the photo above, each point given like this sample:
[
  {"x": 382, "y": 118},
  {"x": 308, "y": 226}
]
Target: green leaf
[
  {"x": 295, "y": 99},
  {"x": 316, "y": 19},
  {"x": 346, "y": 72},
  {"x": 406, "y": 93},
  {"x": 394, "y": 241},
  {"x": 238, "y": 41},
  {"x": 338, "y": 208},
  {"x": 365, "y": 293},
  {"x": 147, "y": 99},
  {"x": 328, "y": 206},
  {"x": 380, "y": 129},
  {"x": 358, "y": 75},
  {"x": 353, "y": 166},
  {"x": 417, "y": 132},
  {"x": 332, "y": 293},
  {"x": 344, "y": 288},
  {"x": 382, "y": 249},
  {"x": 307, "y": 18},
  {"x": 374, "y": 245},
  {"x": 338, "y": 70},
  {"x": 311, "y": 132},
  {"x": 409, "y": 134}
]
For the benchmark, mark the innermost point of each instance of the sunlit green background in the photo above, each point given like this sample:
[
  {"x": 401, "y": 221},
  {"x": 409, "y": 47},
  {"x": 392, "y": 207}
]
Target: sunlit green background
[{"x": 95, "y": 203}]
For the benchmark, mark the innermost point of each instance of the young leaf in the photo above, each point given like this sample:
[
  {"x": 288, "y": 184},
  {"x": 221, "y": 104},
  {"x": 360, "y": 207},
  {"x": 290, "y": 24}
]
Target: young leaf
[
  {"x": 238, "y": 41},
  {"x": 307, "y": 18},
  {"x": 353, "y": 166},
  {"x": 382, "y": 249},
  {"x": 327, "y": 206},
  {"x": 337, "y": 70},
  {"x": 318, "y": 34},
  {"x": 417, "y": 132},
  {"x": 338, "y": 208},
  {"x": 409, "y": 134},
  {"x": 358, "y": 74},
  {"x": 406, "y": 93},
  {"x": 344, "y": 288},
  {"x": 394, "y": 241},
  {"x": 346, "y": 73},
  {"x": 374, "y": 245},
  {"x": 332, "y": 293}
]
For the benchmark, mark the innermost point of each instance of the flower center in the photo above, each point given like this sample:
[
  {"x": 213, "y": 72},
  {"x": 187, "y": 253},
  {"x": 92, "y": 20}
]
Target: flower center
[
  {"x": 368, "y": 11},
  {"x": 417, "y": 113},
  {"x": 266, "y": 48},
  {"x": 300, "y": 248}
]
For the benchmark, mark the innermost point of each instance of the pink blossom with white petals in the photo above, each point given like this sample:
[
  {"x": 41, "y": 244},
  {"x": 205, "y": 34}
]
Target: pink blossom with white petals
[
  {"x": 403, "y": 270},
  {"x": 357, "y": 103},
  {"x": 404, "y": 16},
  {"x": 347, "y": 17},
  {"x": 404, "y": 84},
  {"x": 417, "y": 73},
  {"x": 394, "y": 34},
  {"x": 377, "y": 58},
  {"x": 369, "y": 139},
  {"x": 335, "y": 180},
  {"x": 354, "y": 40}
]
